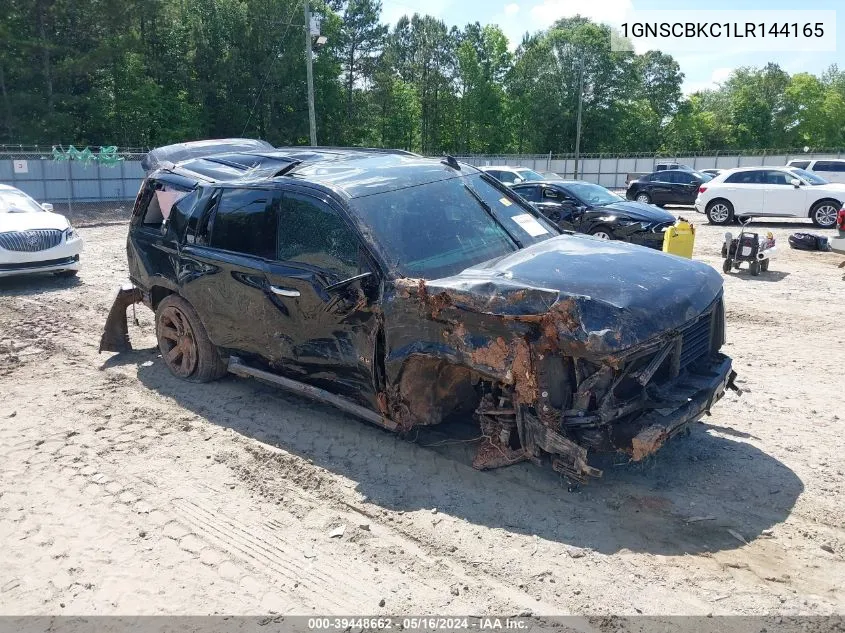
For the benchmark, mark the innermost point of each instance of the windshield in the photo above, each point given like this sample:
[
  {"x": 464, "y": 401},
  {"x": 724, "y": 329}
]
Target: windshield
[
  {"x": 440, "y": 228},
  {"x": 594, "y": 195},
  {"x": 529, "y": 174},
  {"x": 12, "y": 201},
  {"x": 809, "y": 176}
]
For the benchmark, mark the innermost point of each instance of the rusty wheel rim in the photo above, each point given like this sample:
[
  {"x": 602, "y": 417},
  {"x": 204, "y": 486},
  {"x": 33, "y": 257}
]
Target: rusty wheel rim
[{"x": 178, "y": 345}]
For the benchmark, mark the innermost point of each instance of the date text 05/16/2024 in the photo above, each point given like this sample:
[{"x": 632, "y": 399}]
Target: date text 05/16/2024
[{"x": 384, "y": 623}]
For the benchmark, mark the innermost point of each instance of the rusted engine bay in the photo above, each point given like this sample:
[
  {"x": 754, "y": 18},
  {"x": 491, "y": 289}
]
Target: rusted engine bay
[{"x": 540, "y": 382}]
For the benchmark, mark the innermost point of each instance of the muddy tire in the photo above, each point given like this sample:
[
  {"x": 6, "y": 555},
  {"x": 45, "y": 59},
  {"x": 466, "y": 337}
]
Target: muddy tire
[{"x": 184, "y": 344}]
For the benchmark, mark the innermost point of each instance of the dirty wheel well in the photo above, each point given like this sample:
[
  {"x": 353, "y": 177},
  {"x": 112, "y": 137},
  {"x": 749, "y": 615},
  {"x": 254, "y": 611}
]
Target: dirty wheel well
[{"x": 157, "y": 294}]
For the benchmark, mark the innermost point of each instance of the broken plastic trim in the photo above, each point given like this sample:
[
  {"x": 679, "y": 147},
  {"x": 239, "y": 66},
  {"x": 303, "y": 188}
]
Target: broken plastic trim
[
  {"x": 239, "y": 368},
  {"x": 115, "y": 336}
]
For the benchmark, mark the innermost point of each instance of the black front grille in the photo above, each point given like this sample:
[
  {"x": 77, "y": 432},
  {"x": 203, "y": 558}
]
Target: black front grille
[
  {"x": 696, "y": 339},
  {"x": 41, "y": 264},
  {"x": 30, "y": 241}
]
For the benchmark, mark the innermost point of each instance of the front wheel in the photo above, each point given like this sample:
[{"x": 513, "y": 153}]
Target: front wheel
[
  {"x": 823, "y": 214},
  {"x": 66, "y": 273},
  {"x": 643, "y": 198},
  {"x": 720, "y": 212},
  {"x": 184, "y": 344},
  {"x": 602, "y": 232}
]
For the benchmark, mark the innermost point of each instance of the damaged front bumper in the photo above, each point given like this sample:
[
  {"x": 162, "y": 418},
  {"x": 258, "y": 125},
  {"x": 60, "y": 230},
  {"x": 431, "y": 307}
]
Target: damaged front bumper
[{"x": 671, "y": 408}]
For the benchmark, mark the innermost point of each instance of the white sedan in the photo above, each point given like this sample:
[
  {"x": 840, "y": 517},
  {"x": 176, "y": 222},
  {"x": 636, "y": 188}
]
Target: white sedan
[
  {"x": 33, "y": 239},
  {"x": 775, "y": 192}
]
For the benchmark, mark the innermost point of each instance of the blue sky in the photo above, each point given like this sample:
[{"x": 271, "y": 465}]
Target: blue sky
[{"x": 701, "y": 69}]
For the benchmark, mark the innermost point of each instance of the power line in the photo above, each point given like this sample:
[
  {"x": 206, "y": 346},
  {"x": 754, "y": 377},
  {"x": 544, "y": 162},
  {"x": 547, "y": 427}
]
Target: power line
[{"x": 275, "y": 56}]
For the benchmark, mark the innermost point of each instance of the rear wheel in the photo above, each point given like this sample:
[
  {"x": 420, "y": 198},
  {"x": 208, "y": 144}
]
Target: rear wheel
[
  {"x": 726, "y": 266},
  {"x": 764, "y": 265},
  {"x": 720, "y": 212},
  {"x": 754, "y": 267},
  {"x": 184, "y": 344},
  {"x": 643, "y": 197},
  {"x": 823, "y": 214}
]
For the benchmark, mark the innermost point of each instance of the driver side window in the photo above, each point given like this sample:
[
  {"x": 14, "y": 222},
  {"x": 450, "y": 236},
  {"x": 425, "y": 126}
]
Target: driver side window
[{"x": 311, "y": 232}]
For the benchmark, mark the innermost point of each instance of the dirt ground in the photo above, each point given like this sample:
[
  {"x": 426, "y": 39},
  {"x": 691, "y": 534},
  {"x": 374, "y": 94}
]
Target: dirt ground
[{"x": 124, "y": 491}]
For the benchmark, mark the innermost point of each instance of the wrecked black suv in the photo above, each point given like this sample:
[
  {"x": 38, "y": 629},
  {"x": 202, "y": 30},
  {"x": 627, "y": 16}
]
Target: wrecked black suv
[{"x": 406, "y": 289}]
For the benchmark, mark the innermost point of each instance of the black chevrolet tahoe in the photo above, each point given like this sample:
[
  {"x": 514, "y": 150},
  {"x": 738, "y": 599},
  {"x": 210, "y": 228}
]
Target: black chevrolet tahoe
[{"x": 406, "y": 290}]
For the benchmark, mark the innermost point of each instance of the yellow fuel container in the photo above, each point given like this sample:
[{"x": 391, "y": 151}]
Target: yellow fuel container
[{"x": 679, "y": 239}]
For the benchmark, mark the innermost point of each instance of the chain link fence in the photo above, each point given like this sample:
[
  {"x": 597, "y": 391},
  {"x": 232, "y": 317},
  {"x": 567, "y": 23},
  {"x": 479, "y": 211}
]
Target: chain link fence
[
  {"x": 615, "y": 170},
  {"x": 86, "y": 185}
]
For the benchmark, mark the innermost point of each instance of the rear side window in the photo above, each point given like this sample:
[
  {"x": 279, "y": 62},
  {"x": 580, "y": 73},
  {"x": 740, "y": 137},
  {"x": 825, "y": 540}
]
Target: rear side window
[
  {"x": 829, "y": 165},
  {"x": 243, "y": 223},
  {"x": 311, "y": 232},
  {"x": 747, "y": 178},
  {"x": 800, "y": 164}
]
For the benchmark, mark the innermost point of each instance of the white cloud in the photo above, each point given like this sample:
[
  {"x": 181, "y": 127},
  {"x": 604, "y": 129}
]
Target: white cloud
[
  {"x": 721, "y": 75},
  {"x": 608, "y": 11},
  {"x": 717, "y": 77},
  {"x": 392, "y": 10},
  {"x": 511, "y": 9}
]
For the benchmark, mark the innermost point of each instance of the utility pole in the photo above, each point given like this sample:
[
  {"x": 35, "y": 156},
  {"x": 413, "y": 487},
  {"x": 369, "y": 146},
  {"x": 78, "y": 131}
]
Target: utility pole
[
  {"x": 312, "y": 119},
  {"x": 578, "y": 123}
]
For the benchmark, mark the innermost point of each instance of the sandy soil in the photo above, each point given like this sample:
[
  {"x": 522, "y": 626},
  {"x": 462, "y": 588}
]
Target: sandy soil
[{"x": 124, "y": 491}]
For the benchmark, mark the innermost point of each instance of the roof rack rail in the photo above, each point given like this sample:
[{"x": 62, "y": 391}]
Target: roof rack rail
[{"x": 374, "y": 150}]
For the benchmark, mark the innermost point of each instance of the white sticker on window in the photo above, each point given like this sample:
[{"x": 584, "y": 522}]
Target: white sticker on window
[
  {"x": 529, "y": 224},
  {"x": 505, "y": 202}
]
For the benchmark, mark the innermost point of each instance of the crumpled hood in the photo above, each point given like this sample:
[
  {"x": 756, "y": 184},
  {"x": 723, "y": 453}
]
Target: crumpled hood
[
  {"x": 610, "y": 295},
  {"x": 34, "y": 220},
  {"x": 638, "y": 211}
]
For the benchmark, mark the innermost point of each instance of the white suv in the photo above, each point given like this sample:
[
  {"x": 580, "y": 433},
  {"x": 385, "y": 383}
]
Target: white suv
[
  {"x": 777, "y": 192},
  {"x": 831, "y": 169},
  {"x": 512, "y": 175}
]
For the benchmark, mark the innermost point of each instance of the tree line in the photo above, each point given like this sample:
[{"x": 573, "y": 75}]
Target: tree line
[{"x": 152, "y": 72}]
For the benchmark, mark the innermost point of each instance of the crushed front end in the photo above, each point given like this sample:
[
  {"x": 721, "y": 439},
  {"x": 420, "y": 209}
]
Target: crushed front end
[
  {"x": 631, "y": 402},
  {"x": 620, "y": 366}
]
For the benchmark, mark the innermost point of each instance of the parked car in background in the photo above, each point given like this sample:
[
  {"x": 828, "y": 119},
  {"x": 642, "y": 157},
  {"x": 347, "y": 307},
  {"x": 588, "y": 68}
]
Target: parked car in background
[
  {"x": 584, "y": 207},
  {"x": 406, "y": 290},
  {"x": 831, "y": 169},
  {"x": 673, "y": 186},
  {"x": 775, "y": 192},
  {"x": 512, "y": 175},
  {"x": 665, "y": 166},
  {"x": 33, "y": 239},
  {"x": 550, "y": 175},
  {"x": 711, "y": 171}
]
